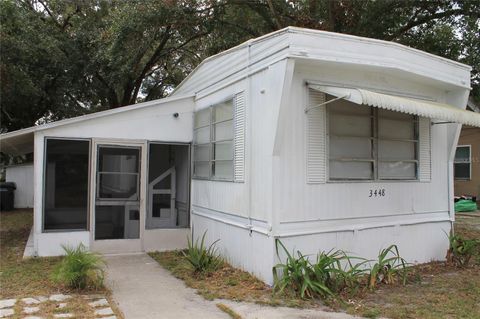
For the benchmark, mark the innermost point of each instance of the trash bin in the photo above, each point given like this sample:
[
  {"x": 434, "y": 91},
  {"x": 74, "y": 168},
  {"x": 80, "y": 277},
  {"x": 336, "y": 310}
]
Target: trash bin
[{"x": 7, "y": 195}]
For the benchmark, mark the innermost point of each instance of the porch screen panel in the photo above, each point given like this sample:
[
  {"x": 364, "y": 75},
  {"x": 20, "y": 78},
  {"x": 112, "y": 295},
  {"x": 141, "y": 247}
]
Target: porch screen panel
[
  {"x": 66, "y": 184},
  {"x": 117, "y": 204}
]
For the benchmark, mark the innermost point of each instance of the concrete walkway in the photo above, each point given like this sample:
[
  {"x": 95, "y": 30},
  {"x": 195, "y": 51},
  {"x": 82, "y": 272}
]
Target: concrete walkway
[{"x": 143, "y": 289}]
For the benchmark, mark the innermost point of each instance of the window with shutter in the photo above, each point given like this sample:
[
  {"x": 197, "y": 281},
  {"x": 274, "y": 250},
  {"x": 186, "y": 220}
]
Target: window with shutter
[
  {"x": 239, "y": 145},
  {"x": 316, "y": 138},
  {"x": 358, "y": 142},
  {"x": 218, "y": 142}
]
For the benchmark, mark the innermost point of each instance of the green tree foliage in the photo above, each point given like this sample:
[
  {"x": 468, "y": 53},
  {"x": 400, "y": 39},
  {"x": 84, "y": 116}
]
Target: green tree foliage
[{"x": 62, "y": 58}]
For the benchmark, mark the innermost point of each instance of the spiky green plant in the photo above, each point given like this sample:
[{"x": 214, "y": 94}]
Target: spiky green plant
[
  {"x": 352, "y": 276},
  {"x": 80, "y": 269},
  {"x": 303, "y": 277},
  {"x": 389, "y": 266},
  {"x": 461, "y": 250},
  {"x": 203, "y": 259}
]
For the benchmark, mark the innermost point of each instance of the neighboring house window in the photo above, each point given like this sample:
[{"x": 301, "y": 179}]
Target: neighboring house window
[
  {"x": 367, "y": 143},
  {"x": 463, "y": 162},
  {"x": 65, "y": 205},
  {"x": 213, "y": 142}
]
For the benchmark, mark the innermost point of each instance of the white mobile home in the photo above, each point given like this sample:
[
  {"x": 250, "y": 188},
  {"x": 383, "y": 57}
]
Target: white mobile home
[{"x": 321, "y": 140}]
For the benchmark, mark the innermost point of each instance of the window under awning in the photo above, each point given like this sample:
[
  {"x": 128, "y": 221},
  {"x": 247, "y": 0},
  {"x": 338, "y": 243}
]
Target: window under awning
[{"x": 428, "y": 109}]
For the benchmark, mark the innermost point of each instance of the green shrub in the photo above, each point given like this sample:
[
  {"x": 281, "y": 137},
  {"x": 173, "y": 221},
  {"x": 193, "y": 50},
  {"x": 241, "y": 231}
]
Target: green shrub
[
  {"x": 298, "y": 274},
  {"x": 389, "y": 266},
  {"x": 202, "y": 258},
  {"x": 80, "y": 269},
  {"x": 352, "y": 276},
  {"x": 461, "y": 250},
  {"x": 325, "y": 277},
  {"x": 336, "y": 272}
]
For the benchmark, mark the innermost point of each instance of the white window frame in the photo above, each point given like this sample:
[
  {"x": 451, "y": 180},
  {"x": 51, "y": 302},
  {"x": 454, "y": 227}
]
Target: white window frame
[
  {"x": 211, "y": 143},
  {"x": 375, "y": 160},
  {"x": 455, "y": 161}
]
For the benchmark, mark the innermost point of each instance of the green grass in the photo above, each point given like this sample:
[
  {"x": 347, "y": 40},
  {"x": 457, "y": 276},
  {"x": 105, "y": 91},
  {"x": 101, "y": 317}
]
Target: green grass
[
  {"x": 20, "y": 277},
  {"x": 31, "y": 277},
  {"x": 24, "y": 277}
]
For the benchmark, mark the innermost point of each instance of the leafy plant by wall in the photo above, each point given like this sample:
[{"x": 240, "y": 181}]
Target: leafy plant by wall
[
  {"x": 203, "y": 258},
  {"x": 461, "y": 250},
  {"x": 80, "y": 269},
  {"x": 336, "y": 272},
  {"x": 388, "y": 267}
]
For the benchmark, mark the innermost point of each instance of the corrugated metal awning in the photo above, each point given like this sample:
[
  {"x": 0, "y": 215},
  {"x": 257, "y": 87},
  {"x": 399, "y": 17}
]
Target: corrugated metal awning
[{"x": 433, "y": 110}]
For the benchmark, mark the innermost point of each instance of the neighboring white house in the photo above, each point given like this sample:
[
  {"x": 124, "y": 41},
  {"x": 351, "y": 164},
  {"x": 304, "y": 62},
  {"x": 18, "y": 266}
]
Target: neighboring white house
[
  {"x": 22, "y": 176},
  {"x": 321, "y": 140}
]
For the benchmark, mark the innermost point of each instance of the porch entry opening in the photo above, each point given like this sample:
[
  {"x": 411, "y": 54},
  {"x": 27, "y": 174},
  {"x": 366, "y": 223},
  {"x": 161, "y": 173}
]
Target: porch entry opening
[
  {"x": 168, "y": 186},
  {"x": 117, "y": 195}
]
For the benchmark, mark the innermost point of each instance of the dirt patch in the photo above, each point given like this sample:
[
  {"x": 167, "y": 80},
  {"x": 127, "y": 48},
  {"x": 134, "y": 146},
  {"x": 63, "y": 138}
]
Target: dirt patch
[{"x": 227, "y": 283}]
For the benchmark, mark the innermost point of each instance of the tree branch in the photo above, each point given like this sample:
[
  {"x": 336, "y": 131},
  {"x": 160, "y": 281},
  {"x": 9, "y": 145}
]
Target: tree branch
[
  {"x": 130, "y": 97},
  {"x": 112, "y": 95},
  {"x": 421, "y": 20}
]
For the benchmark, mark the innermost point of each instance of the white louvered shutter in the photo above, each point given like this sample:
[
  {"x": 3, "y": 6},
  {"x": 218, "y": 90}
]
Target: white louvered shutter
[
  {"x": 424, "y": 155},
  {"x": 239, "y": 143},
  {"x": 316, "y": 138}
]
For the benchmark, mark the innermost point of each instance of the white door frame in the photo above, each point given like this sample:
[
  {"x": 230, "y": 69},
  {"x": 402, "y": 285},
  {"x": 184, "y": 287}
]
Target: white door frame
[{"x": 117, "y": 246}]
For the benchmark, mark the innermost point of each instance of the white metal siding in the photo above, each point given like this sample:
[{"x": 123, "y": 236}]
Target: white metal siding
[
  {"x": 299, "y": 203},
  {"x": 22, "y": 175},
  {"x": 316, "y": 138},
  {"x": 239, "y": 126},
  {"x": 424, "y": 153}
]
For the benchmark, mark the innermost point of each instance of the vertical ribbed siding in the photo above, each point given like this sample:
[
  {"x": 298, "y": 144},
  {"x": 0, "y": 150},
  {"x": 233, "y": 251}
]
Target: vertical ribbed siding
[
  {"x": 424, "y": 155},
  {"x": 239, "y": 144},
  {"x": 316, "y": 138}
]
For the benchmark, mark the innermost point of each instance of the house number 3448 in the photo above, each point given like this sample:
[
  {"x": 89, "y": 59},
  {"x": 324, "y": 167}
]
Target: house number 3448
[{"x": 377, "y": 192}]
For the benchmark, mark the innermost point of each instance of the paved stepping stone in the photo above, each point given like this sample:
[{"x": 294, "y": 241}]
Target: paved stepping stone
[
  {"x": 33, "y": 317},
  {"x": 7, "y": 303},
  {"x": 64, "y": 315},
  {"x": 104, "y": 311},
  {"x": 99, "y": 303},
  {"x": 61, "y": 305},
  {"x": 6, "y": 313},
  {"x": 111, "y": 317},
  {"x": 30, "y": 301},
  {"x": 41, "y": 298},
  {"x": 60, "y": 297},
  {"x": 30, "y": 310}
]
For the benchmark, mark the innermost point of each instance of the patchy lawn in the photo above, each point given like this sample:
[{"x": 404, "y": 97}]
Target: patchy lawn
[
  {"x": 31, "y": 277},
  {"x": 226, "y": 283},
  {"x": 18, "y": 277},
  {"x": 434, "y": 290}
]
